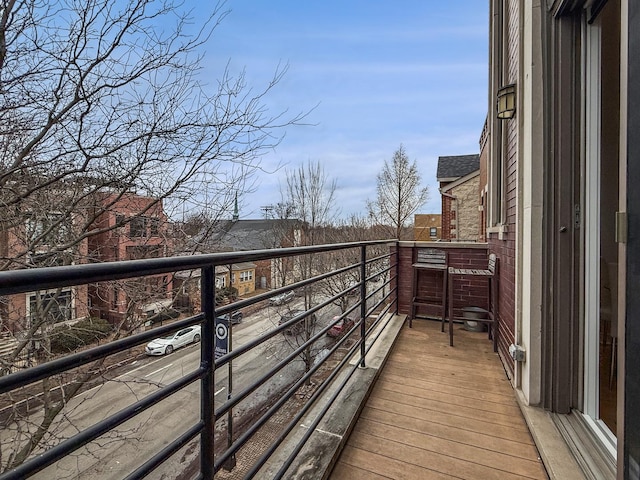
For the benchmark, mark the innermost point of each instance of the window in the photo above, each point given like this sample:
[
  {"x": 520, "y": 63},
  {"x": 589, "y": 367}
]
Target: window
[
  {"x": 54, "y": 307},
  {"x": 154, "y": 226},
  {"x": 50, "y": 259},
  {"x": 433, "y": 232},
  {"x": 221, "y": 281},
  {"x": 120, "y": 219},
  {"x": 115, "y": 299},
  {"x": 138, "y": 227},
  {"x": 52, "y": 229},
  {"x": 500, "y": 130},
  {"x": 138, "y": 252},
  {"x": 246, "y": 276}
]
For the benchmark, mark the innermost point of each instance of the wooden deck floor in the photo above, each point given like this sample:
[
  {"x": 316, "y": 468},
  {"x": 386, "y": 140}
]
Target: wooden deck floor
[{"x": 440, "y": 412}]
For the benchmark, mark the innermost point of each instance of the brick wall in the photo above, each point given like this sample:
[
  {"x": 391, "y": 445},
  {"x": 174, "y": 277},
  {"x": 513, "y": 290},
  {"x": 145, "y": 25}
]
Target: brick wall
[
  {"x": 447, "y": 216},
  {"x": 505, "y": 247},
  {"x": 467, "y": 292}
]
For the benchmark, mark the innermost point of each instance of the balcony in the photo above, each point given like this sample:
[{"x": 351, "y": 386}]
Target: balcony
[{"x": 269, "y": 404}]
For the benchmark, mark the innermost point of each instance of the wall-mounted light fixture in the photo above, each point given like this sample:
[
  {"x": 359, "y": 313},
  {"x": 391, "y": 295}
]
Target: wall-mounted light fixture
[{"x": 507, "y": 101}]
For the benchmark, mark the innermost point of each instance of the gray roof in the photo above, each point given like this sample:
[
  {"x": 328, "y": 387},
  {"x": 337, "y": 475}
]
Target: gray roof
[
  {"x": 457, "y": 166},
  {"x": 252, "y": 234}
]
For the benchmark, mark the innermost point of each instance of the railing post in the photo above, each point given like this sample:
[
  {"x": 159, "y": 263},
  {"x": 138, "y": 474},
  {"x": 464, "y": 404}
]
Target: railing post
[
  {"x": 207, "y": 346},
  {"x": 231, "y": 463},
  {"x": 363, "y": 303},
  {"x": 397, "y": 277}
]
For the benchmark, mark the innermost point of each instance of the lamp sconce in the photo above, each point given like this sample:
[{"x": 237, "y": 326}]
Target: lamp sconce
[{"x": 506, "y": 105}]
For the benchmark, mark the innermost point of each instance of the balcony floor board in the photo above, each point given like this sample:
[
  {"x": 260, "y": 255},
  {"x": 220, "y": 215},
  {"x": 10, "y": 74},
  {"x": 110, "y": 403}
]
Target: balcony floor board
[{"x": 438, "y": 412}]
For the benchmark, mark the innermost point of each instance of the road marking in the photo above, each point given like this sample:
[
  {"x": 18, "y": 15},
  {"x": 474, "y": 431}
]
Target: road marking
[
  {"x": 159, "y": 370},
  {"x": 220, "y": 391}
]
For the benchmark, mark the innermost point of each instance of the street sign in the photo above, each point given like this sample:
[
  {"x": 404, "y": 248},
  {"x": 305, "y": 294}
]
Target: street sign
[{"x": 222, "y": 337}]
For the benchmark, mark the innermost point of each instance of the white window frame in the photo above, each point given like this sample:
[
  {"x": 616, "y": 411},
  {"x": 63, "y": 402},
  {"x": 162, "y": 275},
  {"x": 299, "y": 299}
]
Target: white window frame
[
  {"x": 72, "y": 297},
  {"x": 591, "y": 201}
]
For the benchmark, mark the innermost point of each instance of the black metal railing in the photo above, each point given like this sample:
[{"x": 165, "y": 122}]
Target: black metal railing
[{"x": 216, "y": 452}]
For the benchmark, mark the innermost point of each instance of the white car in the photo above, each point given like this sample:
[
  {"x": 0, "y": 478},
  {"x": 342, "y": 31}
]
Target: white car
[{"x": 166, "y": 345}]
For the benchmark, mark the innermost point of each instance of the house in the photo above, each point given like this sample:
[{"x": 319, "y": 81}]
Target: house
[
  {"x": 562, "y": 215},
  {"x": 459, "y": 178},
  {"x": 131, "y": 227},
  {"x": 242, "y": 277},
  {"x": 258, "y": 234},
  {"x": 43, "y": 237},
  {"x": 427, "y": 227}
]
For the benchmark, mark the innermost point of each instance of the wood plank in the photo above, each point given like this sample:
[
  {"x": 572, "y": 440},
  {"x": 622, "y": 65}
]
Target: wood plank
[
  {"x": 427, "y": 349},
  {"x": 388, "y": 467},
  {"x": 441, "y": 412},
  {"x": 495, "y": 413},
  {"x": 524, "y": 467},
  {"x": 444, "y": 366},
  {"x": 461, "y": 389},
  {"x": 444, "y": 464},
  {"x": 451, "y": 419},
  {"x": 467, "y": 437},
  {"x": 456, "y": 382},
  {"x": 344, "y": 471}
]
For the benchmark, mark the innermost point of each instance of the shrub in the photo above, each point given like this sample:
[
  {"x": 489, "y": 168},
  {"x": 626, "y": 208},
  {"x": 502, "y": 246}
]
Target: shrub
[
  {"x": 226, "y": 295},
  {"x": 67, "y": 338}
]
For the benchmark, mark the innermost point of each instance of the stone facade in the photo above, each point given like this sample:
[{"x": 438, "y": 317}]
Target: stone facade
[{"x": 467, "y": 218}]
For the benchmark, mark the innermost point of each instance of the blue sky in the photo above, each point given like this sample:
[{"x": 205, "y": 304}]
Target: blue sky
[{"x": 381, "y": 73}]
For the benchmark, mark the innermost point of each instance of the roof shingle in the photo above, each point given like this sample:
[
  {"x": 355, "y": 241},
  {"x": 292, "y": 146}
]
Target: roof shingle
[{"x": 457, "y": 166}]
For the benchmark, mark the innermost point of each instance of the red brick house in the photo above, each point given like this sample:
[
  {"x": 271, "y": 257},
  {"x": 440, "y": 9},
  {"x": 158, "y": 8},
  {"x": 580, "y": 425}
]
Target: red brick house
[
  {"x": 134, "y": 227},
  {"x": 41, "y": 238}
]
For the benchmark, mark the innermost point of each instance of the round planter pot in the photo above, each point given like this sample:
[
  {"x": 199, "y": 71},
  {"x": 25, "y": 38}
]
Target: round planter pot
[{"x": 471, "y": 313}]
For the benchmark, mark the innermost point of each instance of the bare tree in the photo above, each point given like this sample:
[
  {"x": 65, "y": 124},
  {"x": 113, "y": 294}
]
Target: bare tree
[
  {"x": 399, "y": 193},
  {"x": 100, "y": 100},
  {"x": 354, "y": 229},
  {"x": 309, "y": 195}
]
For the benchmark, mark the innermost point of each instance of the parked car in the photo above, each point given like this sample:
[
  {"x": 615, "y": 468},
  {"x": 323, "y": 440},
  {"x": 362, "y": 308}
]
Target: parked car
[
  {"x": 341, "y": 327},
  {"x": 166, "y": 345},
  {"x": 282, "y": 298},
  {"x": 297, "y": 327},
  {"x": 234, "y": 318}
]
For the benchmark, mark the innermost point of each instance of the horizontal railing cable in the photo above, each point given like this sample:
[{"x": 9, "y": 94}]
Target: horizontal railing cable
[
  {"x": 80, "y": 439},
  {"x": 61, "y": 365},
  {"x": 246, "y": 436},
  {"x": 257, "y": 383},
  {"x": 237, "y": 352},
  {"x": 311, "y": 428},
  {"x": 29, "y": 280},
  {"x": 154, "y": 462}
]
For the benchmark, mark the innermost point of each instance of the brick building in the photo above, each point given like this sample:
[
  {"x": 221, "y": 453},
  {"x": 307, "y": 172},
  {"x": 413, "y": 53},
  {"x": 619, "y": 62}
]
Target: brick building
[
  {"x": 427, "y": 227},
  {"x": 459, "y": 178},
  {"x": 133, "y": 227},
  {"x": 43, "y": 237},
  {"x": 561, "y": 213}
]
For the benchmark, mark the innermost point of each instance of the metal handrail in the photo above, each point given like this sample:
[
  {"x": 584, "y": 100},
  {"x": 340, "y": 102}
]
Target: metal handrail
[{"x": 22, "y": 281}]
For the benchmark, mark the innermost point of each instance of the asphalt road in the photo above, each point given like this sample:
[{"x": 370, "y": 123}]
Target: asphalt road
[{"x": 131, "y": 444}]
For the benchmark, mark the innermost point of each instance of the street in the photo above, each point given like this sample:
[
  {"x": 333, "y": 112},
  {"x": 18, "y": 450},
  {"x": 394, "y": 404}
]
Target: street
[{"x": 116, "y": 454}]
